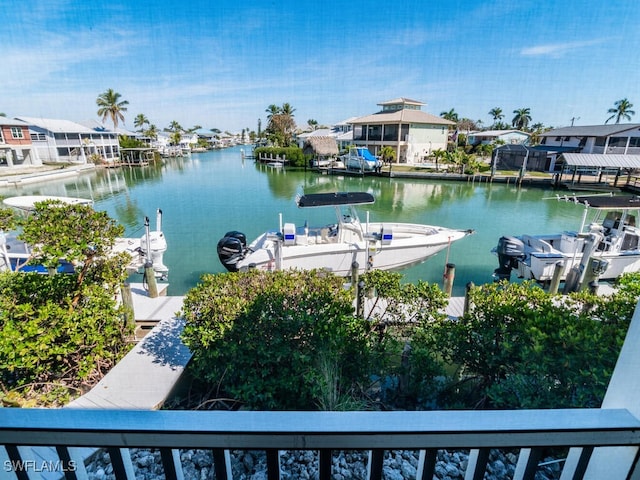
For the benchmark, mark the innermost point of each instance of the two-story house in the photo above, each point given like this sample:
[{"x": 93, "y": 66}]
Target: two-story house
[
  {"x": 15, "y": 144},
  {"x": 622, "y": 139},
  {"x": 403, "y": 126},
  {"x": 64, "y": 141}
]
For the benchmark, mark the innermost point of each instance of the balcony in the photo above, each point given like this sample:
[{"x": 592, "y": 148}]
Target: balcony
[
  {"x": 526, "y": 431},
  {"x": 601, "y": 443}
]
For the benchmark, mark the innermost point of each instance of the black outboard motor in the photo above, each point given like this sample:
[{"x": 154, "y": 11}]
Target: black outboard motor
[
  {"x": 509, "y": 250},
  {"x": 232, "y": 248}
]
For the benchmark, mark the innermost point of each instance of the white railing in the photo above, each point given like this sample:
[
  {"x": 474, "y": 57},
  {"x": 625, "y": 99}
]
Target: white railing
[{"x": 529, "y": 432}]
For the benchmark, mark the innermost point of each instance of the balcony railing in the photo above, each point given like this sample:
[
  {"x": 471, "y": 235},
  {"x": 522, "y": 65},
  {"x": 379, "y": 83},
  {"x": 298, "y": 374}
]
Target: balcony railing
[{"x": 529, "y": 432}]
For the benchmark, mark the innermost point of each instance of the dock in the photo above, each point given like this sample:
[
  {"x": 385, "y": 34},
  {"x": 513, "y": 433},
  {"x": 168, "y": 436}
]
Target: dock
[{"x": 145, "y": 377}]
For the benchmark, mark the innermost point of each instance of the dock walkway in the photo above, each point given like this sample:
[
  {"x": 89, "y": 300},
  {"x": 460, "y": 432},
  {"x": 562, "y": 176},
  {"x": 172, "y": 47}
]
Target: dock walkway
[{"x": 145, "y": 377}]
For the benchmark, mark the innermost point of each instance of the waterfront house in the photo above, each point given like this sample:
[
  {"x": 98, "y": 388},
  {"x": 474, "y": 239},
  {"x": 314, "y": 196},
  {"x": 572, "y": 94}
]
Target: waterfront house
[
  {"x": 503, "y": 137},
  {"x": 16, "y": 148},
  {"x": 64, "y": 141},
  {"x": 595, "y": 149},
  {"x": 607, "y": 139},
  {"x": 403, "y": 126}
]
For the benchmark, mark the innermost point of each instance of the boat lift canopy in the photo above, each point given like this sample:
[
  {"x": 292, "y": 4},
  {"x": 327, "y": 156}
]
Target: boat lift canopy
[
  {"x": 606, "y": 202},
  {"x": 333, "y": 199}
]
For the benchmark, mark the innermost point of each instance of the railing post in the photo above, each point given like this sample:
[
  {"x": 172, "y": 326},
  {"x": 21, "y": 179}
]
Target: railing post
[{"x": 623, "y": 392}]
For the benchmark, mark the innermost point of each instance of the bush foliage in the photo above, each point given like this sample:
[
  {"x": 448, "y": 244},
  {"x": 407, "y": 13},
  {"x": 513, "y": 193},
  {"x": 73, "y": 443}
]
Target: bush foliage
[
  {"x": 290, "y": 340},
  {"x": 60, "y": 332},
  {"x": 275, "y": 339},
  {"x": 294, "y": 155}
]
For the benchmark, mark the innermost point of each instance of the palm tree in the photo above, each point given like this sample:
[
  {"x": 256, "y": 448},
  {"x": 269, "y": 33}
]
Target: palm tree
[
  {"x": 272, "y": 110},
  {"x": 522, "y": 118},
  {"x": 152, "y": 132},
  {"x": 496, "y": 115},
  {"x": 450, "y": 115},
  {"x": 621, "y": 110},
  {"x": 140, "y": 121},
  {"x": 313, "y": 124},
  {"x": 174, "y": 126},
  {"x": 111, "y": 106}
]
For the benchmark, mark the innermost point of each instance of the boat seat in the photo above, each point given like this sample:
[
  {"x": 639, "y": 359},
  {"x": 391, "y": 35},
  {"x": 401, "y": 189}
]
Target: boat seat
[{"x": 537, "y": 244}]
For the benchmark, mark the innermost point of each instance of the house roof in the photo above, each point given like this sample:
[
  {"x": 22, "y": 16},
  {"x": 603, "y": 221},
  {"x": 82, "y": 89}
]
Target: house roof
[
  {"x": 601, "y": 160},
  {"x": 321, "y": 146},
  {"x": 56, "y": 125},
  {"x": 403, "y": 100},
  {"x": 590, "y": 130},
  {"x": 404, "y": 116},
  {"x": 14, "y": 122},
  {"x": 495, "y": 133}
]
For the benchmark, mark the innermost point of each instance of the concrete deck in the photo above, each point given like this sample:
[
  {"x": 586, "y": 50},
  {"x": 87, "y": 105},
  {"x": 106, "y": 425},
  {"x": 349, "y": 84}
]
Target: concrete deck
[{"x": 145, "y": 377}]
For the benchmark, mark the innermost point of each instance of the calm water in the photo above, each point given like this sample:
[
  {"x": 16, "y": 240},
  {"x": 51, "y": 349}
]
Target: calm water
[{"x": 207, "y": 194}]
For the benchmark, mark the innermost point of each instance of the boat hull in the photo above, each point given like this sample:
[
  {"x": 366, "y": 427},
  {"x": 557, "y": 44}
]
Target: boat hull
[{"x": 311, "y": 252}]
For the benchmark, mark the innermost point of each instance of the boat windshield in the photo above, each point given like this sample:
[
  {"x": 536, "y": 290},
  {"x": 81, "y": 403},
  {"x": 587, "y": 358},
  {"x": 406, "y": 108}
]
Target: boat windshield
[{"x": 347, "y": 214}]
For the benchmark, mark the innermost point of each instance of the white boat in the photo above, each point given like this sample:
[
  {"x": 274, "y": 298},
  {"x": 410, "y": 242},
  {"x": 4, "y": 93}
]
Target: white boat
[
  {"x": 611, "y": 239},
  {"x": 360, "y": 158},
  {"x": 15, "y": 254},
  {"x": 338, "y": 246}
]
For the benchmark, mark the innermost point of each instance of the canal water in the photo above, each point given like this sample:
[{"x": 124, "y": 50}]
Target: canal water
[{"x": 205, "y": 195}]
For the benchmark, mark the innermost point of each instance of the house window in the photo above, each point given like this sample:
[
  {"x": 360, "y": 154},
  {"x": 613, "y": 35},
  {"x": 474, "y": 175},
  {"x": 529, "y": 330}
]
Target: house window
[
  {"x": 404, "y": 132},
  {"x": 634, "y": 142},
  {"x": 1, "y": 136},
  {"x": 600, "y": 141},
  {"x": 17, "y": 133},
  {"x": 618, "y": 142},
  {"x": 390, "y": 133},
  {"x": 38, "y": 137},
  {"x": 374, "y": 132}
]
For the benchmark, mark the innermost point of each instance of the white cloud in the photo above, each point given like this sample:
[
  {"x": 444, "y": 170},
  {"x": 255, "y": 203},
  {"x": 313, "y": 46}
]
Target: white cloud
[{"x": 558, "y": 49}]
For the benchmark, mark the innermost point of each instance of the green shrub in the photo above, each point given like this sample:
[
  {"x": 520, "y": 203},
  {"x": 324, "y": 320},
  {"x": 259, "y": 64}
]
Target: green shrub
[
  {"x": 520, "y": 347},
  {"x": 294, "y": 155},
  {"x": 59, "y": 333},
  {"x": 273, "y": 340}
]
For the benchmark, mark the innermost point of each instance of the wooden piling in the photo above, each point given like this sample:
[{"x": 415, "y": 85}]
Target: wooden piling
[
  {"x": 151, "y": 280},
  {"x": 127, "y": 301},
  {"x": 449, "y": 275}
]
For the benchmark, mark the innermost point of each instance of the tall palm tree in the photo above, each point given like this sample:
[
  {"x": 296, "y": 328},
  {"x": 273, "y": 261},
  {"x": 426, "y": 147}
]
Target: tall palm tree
[
  {"x": 140, "y": 121},
  {"x": 522, "y": 118},
  {"x": 272, "y": 110},
  {"x": 496, "y": 114},
  {"x": 621, "y": 110},
  {"x": 110, "y": 106}
]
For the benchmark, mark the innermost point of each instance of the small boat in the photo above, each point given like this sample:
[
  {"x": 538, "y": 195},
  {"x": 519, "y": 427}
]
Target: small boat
[
  {"x": 360, "y": 159},
  {"x": 338, "y": 246},
  {"x": 15, "y": 254},
  {"x": 611, "y": 239}
]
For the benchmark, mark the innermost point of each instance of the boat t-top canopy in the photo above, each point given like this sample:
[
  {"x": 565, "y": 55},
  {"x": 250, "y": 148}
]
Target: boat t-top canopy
[
  {"x": 332, "y": 199},
  {"x": 622, "y": 202},
  {"x": 28, "y": 202}
]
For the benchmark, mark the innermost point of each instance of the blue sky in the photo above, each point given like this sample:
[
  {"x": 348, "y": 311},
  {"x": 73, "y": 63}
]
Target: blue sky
[{"x": 220, "y": 64}]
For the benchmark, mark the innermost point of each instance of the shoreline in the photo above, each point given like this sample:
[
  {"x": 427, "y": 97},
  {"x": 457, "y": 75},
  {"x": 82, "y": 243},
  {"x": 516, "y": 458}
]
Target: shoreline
[{"x": 34, "y": 174}]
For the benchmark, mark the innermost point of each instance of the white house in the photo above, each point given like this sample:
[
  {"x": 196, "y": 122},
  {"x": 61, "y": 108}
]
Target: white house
[
  {"x": 64, "y": 141},
  {"x": 505, "y": 137},
  {"x": 621, "y": 139}
]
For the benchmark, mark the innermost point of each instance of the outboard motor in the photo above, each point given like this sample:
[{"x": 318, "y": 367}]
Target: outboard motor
[
  {"x": 231, "y": 248},
  {"x": 509, "y": 250}
]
